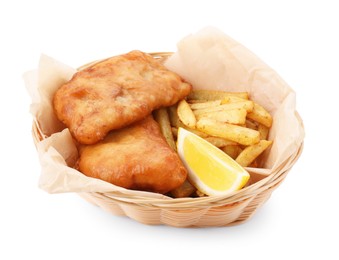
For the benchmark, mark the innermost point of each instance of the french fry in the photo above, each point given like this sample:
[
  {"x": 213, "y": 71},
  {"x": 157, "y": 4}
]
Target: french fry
[
  {"x": 219, "y": 142},
  {"x": 193, "y": 101},
  {"x": 230, "y": 121},
  {"x": 205, "y": 104},
  {"x": 251, "y": 124},
  {"x": 247, "y": 105},
  {"x": 214, "y": 95},
  {"x": 185, "y": 190},
  {"x": 200, "y": 193},
  {"x": 194, "y": 131},
  {"x": 232, "y": 150},
  {"x": 175, "y": 122},
  {"x": 174, "y": 132},
  {"x": 186, "y": 114},
  {"x": 239, "y": 134},
  {"x": 263, "y": 130},
  {"x": 260, "y": 115},
  {"x": 162, "y": 118},
  {"x": 173, "y": 115},
  {"x": 233, "y": 116},
  {"x": 254, "y": 164},
  {"x": 197, "y": 132},
  {"x": 232, "y": 99},
  {"x": 250, "y": 153}
]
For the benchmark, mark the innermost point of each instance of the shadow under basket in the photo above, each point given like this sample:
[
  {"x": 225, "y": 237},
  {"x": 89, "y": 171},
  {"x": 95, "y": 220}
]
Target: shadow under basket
[{"x": 208, "y": 211}]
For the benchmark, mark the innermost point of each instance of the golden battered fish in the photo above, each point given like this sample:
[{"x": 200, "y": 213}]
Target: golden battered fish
[
  {"x": 115, "y": 93},
  {"x": 135, "y": 157}
]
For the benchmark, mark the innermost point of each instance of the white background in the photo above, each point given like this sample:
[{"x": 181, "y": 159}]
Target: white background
[{"x": 299, "y": 39}]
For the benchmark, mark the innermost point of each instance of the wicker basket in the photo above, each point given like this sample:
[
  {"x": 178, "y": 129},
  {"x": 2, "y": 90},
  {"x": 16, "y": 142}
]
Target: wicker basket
[{"x": 228, "y": 210}]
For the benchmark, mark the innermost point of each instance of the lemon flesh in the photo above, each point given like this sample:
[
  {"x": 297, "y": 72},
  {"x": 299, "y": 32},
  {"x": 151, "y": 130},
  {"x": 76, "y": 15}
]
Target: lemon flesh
[{"x": 210, "y": 170}]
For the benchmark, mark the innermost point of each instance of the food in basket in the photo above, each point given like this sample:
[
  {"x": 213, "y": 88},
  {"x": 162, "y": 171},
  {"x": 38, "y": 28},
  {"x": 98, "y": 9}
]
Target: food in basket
[
  {"x": 239, "y": 134},
  {"x": 109, "y": 108},
  {"x": 210, "y": 170},
  {"x": 186, "y": 115},
  {"x": 134, "y": 157},
  {"x": 114, "y": 93},
  {"x": 207, "y": 60},
  {"x": 251, "y": 152},
  {"x": 229, "y": 121}
]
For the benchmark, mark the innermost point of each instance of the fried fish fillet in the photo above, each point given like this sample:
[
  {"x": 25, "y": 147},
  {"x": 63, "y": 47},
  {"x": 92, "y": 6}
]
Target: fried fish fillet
[
  {"x": 135, "y": 157},
  {"x": 115, "y": 93}
]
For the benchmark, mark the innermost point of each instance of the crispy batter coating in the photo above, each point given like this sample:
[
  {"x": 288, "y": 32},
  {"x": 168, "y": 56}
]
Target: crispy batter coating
[
  {"x": 115, "y": 93},
  {"x": 135, "y": 157}
]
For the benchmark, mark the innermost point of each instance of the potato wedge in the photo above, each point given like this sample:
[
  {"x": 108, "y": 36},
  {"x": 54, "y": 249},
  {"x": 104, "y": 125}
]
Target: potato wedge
[
  {"x": 239, "y": 134},
  {"x": 162, "y": 118},
  {"x": 250, "y": 153},
  {"x": 214, "y": 95},
  {"x": 260, "y": 115},
  {"x": 233, "y": 116},
  {"x": 186, "y": 114}
]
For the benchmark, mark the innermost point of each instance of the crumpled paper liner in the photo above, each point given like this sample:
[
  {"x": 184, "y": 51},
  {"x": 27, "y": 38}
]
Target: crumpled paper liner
[{"x": 208, "y": 59}]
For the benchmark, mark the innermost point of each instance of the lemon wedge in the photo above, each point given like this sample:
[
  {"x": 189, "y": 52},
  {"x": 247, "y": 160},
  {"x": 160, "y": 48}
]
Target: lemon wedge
[{"x": 210, "y": 170}]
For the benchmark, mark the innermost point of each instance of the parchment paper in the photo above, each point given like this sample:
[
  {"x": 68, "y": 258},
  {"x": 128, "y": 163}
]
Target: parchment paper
[{"x": 208, "y": 59}]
